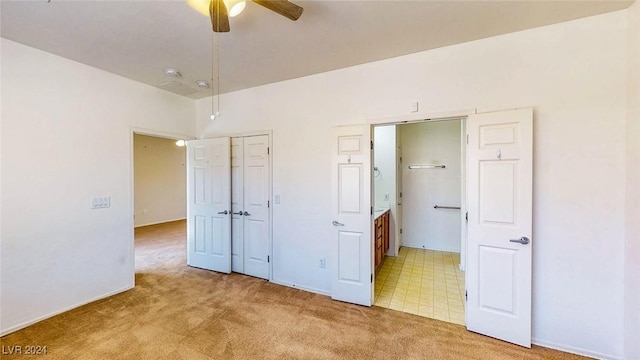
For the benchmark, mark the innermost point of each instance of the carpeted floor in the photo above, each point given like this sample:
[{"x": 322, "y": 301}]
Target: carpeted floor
[{"x": 178, "y": 312}]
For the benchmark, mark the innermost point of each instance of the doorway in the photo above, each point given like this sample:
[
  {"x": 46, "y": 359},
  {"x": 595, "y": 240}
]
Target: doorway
[
  {"x": 158, "y": 186},
  {"x": 418, "y": 181},
  {"x": 499, "y": 163},
  {"x": 159, "y": 180}
]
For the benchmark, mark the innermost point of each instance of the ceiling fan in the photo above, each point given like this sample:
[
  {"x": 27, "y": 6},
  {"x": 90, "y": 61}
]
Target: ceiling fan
[{"x": 220, "y": 10}]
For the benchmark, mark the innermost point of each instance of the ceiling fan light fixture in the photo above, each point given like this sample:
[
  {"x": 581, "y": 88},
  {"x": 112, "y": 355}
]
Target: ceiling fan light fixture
[
  {"x": 235, "y": 6},
  {"x": 201, "y": 6}
]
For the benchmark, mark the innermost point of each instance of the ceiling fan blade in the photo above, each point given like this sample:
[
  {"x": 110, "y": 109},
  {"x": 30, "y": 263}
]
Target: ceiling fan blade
[
  {"x": 219, "y": 17},
  {"x": 282, "y": 7}
]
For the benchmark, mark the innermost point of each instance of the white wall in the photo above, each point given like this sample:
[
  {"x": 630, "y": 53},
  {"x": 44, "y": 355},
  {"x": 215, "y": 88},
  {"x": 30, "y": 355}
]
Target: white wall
[
  {"x": 573, "y": 73},
  {"x": 384, "y": 145},
  {"x": 159, "y": 180},
  {"x": 436, "y": 143},
  {"x": 632, "y": 251},
  {"x": 66, "y": 136}
]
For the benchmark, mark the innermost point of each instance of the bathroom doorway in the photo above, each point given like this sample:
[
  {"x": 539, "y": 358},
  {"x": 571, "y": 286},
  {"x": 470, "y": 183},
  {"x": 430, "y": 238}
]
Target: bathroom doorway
[{"x": 419, "y": 184}]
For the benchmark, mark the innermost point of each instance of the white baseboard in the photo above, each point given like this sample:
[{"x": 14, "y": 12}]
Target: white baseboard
[
  {"x": 158, "y": 222},
  {"x": 414, "y": 246},
  {"x": 574, "y": 350},
  {"x": 15, "y": 328},
  {"x": 291, "y": 285}
]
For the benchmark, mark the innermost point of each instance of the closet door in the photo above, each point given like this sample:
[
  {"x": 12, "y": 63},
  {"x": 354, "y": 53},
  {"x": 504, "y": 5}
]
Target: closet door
[
  {"x": 237, "y": 205},
  {"x": 256, "y": 206},
  {"x": 208, "y": 194}
]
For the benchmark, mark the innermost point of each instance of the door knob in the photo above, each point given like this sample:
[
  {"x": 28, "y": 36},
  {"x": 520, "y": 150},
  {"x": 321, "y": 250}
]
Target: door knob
[
  {"x": 523, "y": 240},
  {"x": 238, "y": 213},
  {"x": 246, "y": 214},
  {"x": 335, "y": 223},
  {"x": 223, "y": 212}
]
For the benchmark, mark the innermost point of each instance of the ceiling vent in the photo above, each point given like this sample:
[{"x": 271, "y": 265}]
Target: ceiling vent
[{"x": 178, "y": 88}]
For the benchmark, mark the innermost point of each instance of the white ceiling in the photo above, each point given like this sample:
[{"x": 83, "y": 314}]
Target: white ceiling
[{"x": 138, "y": 39}]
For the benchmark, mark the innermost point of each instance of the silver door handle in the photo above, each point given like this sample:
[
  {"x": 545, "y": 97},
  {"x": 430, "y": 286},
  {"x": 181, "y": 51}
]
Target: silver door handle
[
  {"x": 223, "y": 212},
  {"x": 238, "y": 213},
  {"x": 335, "y": 223},
  {"x": 246, "y": 214},
  {"x": 523, "y": 240}
]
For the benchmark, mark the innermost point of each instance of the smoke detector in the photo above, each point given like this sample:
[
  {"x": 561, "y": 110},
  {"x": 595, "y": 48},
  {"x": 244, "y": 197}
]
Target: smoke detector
[
  {"x": 202, "y": 84},
  {"x": 172, "y": 72}
]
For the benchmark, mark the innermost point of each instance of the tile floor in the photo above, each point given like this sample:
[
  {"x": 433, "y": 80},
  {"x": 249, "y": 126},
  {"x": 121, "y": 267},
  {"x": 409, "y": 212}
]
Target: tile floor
[{"x": 422, "y": 282}]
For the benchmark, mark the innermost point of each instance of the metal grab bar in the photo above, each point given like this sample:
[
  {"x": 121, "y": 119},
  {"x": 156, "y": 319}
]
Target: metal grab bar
[
  {"x": 426, "y": 166},
  {"x": 446, "y": 207}
]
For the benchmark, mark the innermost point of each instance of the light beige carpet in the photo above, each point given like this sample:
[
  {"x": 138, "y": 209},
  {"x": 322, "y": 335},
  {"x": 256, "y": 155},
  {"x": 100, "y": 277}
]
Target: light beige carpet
[{"x": 178, "y": 312}]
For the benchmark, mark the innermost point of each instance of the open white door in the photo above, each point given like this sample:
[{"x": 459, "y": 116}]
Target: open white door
[
  {"x": 352, "y": 246},
  {"x": 498, "y": 277},
  {"x": 208, "y": 204}
]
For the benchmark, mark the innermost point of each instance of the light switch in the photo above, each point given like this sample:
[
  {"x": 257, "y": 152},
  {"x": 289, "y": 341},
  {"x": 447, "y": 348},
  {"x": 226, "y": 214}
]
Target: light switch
[{"x": 100, "y": 202}]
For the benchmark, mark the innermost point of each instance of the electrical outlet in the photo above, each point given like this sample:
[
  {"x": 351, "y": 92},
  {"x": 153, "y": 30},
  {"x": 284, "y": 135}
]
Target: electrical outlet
[
  {"x": 414, "y": 106},
  {"x": 323, "y": 263}
]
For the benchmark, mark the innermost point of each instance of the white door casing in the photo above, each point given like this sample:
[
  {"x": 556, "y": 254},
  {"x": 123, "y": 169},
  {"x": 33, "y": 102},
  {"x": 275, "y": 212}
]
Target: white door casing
[
  {"x": 256, "y": 206},
  {"x": 208, "y": 204},
  {"x": 463, "y": 195},
  {"x": 498, "y": 276},
  {"x": 237, "y": 204},
  {"x": 352, "y": 243},
  {"x": 399, "y": 208}
]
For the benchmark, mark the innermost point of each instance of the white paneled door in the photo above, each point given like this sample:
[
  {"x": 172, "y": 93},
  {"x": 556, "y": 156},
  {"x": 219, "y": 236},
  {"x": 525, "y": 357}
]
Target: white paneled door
[
  {"x": 352, "y": 247},
  {"x": 209, "y": 197},
  {"x": 237, "y": 205},
  {"x": 255, "y": 209},
  {"x": 500, "y": 154}
]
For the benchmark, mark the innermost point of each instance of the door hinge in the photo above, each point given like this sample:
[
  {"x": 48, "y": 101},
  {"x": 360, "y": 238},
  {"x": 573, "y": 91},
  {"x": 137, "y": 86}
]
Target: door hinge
[
  {"x": 371, "y": 277},
  {"x": 466, "y": 216},
  {"x": 467, "y": 138},
  {"x": 400, "y": 231},
  {"x": 372, "y": 210},
  {"x": 267, "y": 150},
  {"x": 268, "y": 203},
  {"x": 268, "y": 258},
  {"x": 371, "y": 144},
  {"x": 466, "y": 298},
  {"x": 400, "y": 193},
  {"x": 400, "y": 158}
]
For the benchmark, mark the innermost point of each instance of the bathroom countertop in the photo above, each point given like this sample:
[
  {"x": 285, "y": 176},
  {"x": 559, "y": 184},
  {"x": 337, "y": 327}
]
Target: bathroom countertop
[{"x": 377, "y": 212}]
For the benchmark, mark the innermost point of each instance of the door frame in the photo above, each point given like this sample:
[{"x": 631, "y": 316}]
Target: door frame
[
  {"x": 147, "y": 132},
  {"x": 269, "y": 134},
  {"x": 425, "y": 118}
]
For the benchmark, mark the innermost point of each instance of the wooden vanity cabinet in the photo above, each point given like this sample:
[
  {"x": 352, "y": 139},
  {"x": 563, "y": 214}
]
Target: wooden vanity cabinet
[{"x": 381, "y": 238}]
